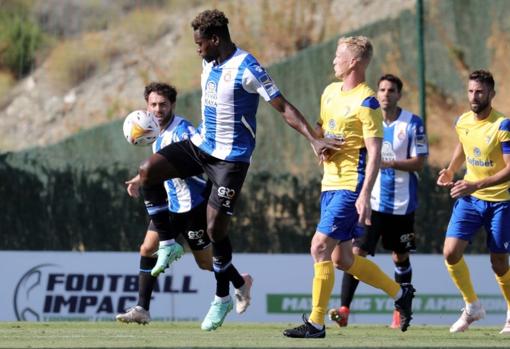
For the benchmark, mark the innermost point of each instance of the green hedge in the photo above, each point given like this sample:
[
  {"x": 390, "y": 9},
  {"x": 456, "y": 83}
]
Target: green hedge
[
  {"x": 64, "y": 209},
  {"x": 71, "y": 195}
]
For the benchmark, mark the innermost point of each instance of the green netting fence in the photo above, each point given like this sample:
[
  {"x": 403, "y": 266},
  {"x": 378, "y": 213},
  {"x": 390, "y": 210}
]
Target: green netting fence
[{"x": 71, "y": 195}]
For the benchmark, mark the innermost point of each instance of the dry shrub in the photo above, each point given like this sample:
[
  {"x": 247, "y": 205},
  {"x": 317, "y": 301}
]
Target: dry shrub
[
  {"x": 6, "y": 83},
  {"x": 144, "y": 25},
  {"x": 185, "y": 67},
  {"x": 277, "y": 29},
  {"x": 74, "y": 61}
]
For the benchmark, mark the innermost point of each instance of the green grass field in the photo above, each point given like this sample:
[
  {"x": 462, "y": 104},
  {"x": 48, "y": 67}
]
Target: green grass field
[{"x": 189, "y": 335}]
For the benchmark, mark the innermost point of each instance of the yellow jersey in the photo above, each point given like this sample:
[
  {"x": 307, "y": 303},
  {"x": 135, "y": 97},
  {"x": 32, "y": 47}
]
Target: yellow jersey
[
  {"x": 484, "y": 142},
  {"x": 352, "y": 116}
]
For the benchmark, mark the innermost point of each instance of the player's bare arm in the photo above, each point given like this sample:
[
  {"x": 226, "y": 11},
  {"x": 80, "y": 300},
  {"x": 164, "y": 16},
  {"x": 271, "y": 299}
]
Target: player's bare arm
[
  {"x": 326, "y": 155},
  {"x": 133, "y": 186},
  {"x": 413, "y": 164},
  {"x": 374, "y": 145},
  {"x": 296, "y": 120},
  {"x": 319, "y": 131},
  {"x": 464, "y": 188},
  {"x": 446, "y": 175}
]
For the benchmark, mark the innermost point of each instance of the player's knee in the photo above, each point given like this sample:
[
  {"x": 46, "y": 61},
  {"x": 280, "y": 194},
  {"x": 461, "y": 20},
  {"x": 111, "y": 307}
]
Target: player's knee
[
  {"x": 359, "y": 251},
  {"x": 342, "y": 264},
  {"x": 215, "y": 232},
  {"x": 499, "y": 265},
  {"x": 451, "y": 255},
  {"x": 318, "y": 250},
  {"x": 205, "y": 265},
  {"x": 146, "y": 250},
  {"x": 451, "y": 258},
  {"x": 400, "y": 258}
]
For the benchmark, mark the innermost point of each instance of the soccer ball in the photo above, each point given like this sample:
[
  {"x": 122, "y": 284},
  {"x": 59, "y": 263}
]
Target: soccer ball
[{"x": 141, "y": 128}]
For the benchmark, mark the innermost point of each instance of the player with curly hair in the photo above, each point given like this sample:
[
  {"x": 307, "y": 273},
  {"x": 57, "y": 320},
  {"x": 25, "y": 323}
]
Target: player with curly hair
[{"x": 232, "y": 81}]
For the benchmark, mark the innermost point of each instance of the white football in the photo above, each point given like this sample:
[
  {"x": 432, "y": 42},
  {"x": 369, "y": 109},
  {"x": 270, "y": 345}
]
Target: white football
[{"x": 141, "y": 128}]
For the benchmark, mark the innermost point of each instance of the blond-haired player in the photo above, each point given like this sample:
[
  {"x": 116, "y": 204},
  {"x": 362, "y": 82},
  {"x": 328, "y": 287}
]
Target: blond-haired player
[{"x": 349, "y": 111}]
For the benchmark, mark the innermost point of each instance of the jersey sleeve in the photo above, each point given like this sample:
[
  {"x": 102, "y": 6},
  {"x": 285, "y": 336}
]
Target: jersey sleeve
[
  {"x": 257, "y": 80},
  {"x": 371, "y": 118},
  {"x": 184, "y": 130},
  {"x": 418, "y": 138},
  {"x": 504, "y": 136}
]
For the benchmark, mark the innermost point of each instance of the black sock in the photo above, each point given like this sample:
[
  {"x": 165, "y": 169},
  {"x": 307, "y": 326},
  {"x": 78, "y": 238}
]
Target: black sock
[
  {"x": 349, "y": 285},
  {"x": 403, "y": 272},
  {"x": 146, "y": 281},
  {"x": 224, "y": 270},
  {"x": 156, "y": 203},
  {"x": 222, "y": 284},
  {"x": 234, "y": 276}
]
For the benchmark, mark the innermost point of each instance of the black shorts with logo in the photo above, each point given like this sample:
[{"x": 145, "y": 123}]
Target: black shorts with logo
[
  {"x": 227, "y": 177},
  {"x": 192, "y": 225},
  {"x": 395, "y": 231}
]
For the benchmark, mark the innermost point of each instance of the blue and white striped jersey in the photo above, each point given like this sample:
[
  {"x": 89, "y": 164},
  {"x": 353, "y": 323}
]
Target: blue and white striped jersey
[
  {"x": 230, "y": 97},
  {"x": 395, "y": 192},
  {"x": 183, "y": 194}
]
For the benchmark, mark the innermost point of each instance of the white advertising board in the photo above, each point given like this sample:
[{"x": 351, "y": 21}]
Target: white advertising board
[{"x": 53, "y": 286}]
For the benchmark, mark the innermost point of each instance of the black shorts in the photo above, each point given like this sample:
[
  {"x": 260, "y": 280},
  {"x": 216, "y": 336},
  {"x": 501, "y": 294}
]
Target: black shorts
[
  {"x": 395, "y": 231},
  {"x": 192, "y": 225},
  {"x": 227, "y": 177}
]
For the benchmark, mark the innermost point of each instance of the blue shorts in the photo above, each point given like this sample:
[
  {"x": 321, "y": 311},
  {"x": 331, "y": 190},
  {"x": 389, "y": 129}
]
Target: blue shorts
[
  {"x": 470, "y": 214},
  {"x": 339, "y": 218}
]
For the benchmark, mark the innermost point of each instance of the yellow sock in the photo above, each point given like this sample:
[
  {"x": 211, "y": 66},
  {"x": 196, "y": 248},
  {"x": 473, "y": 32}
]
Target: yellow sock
[
  {"x": 504, "y": 285},
  {"x": 459, "y": 273},
  {"x": 368, "y": 272},
  {"x": 323, "y": 282}
]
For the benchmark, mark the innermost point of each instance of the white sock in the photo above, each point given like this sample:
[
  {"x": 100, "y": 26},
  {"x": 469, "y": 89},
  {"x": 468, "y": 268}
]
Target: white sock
[
  {"x": 222, "y": 299},
  {"x": 167, "y": 242},
  {"x": 399, "y": 294},
  {"x": 317, "y": 326},
  {"x": 473, "y": 306}
]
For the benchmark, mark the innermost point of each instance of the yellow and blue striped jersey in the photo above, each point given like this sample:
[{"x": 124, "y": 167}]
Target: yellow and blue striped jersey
[
  {"x": 484, "y": 143},
  {"x": 353, "y": 116}
]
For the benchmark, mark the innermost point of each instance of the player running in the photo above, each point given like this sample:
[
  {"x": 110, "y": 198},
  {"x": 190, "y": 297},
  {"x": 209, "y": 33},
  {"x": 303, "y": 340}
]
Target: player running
[
  {"x": 349, "y": 111},
  {"x": 395, "y": 195}
]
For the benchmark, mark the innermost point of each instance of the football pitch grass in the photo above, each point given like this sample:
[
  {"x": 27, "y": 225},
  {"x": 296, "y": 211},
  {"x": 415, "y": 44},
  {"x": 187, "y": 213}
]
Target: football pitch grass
[{"x": 234, "y": 335}]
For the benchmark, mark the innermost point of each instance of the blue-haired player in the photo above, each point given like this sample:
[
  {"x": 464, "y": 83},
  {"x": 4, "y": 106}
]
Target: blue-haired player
[
  {"x": 483, "y": 196},
  {"x": 186, "y": 204}
]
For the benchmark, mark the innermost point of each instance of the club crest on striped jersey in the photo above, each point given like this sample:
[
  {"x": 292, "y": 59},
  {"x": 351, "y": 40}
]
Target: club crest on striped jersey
[
  {"x": 227, "y": 74},
  {"x": 387, "y": 153},
  {"x": 210, "y": 95}
]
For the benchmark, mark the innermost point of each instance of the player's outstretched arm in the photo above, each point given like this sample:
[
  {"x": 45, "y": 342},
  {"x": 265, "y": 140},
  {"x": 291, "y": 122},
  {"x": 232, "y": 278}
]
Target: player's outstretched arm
[
  {"x": 413, "y": 164},
  {"x": 296, "y": 120},
  {"x": 445, "y": 178},
  {"x": 374, "y": 145},
  {"x": 463, "y": 188}
]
